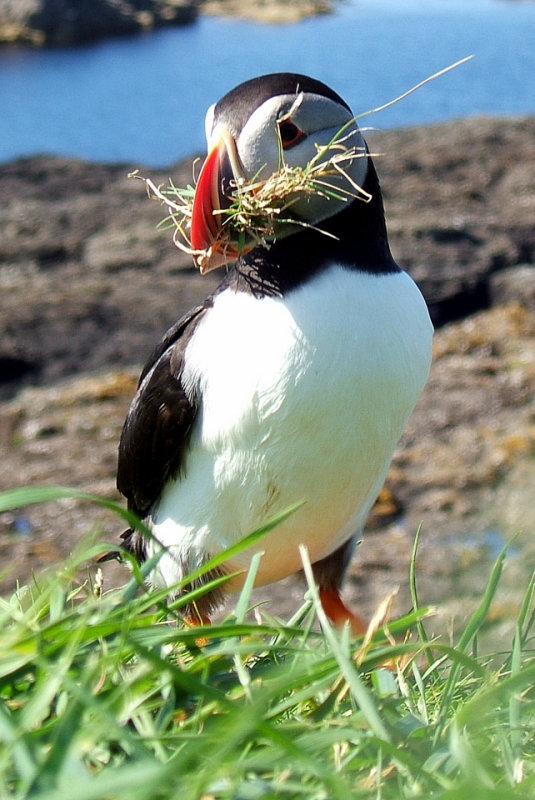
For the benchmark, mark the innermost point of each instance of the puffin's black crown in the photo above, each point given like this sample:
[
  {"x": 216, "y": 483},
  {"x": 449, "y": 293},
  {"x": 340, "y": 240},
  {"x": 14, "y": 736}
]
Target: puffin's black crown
[{"x": 239, "y": 102}]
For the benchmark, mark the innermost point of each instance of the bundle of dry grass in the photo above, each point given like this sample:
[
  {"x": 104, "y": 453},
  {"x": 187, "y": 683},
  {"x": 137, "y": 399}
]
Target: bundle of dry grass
[{"x": 257, "y": 208}]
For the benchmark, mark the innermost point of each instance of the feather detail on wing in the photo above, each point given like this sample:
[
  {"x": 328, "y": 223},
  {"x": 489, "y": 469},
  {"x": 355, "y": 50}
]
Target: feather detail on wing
[{"x": 157, "y": 428}]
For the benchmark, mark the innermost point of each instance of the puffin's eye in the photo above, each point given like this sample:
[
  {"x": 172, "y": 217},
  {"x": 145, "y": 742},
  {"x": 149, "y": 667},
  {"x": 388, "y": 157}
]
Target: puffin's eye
[{"x": 289, "y": 133}]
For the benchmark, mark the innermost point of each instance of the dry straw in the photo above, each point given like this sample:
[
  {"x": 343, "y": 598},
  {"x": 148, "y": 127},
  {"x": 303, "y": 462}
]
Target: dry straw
[{"x": 257, "y": 207}]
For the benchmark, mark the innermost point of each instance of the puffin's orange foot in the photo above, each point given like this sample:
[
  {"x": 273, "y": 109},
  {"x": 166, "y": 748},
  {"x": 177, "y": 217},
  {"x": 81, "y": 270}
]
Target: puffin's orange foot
[
  {"x": 339, "y": 613},
  {"x": 195, "y": 619}
]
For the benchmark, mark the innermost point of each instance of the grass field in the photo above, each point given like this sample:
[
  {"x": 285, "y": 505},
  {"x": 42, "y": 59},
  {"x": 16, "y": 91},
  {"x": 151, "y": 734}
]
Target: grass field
[{"x": 109, "y": 695}]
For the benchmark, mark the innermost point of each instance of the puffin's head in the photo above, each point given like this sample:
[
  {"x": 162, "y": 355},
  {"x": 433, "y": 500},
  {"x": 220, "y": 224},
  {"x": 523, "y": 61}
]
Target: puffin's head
[{"x": 273, "y": 117}]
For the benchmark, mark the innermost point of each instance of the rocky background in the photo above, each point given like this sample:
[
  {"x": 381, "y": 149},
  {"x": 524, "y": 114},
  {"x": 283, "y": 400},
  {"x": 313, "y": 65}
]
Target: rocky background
[{"x": 88, "y": 285}]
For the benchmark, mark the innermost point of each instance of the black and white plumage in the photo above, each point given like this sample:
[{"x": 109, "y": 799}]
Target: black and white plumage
[{"x": 294, "y": 380}]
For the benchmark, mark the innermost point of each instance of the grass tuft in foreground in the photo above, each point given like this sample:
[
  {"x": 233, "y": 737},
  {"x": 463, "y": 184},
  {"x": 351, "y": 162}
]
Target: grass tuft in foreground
[{"x": 108, "y": 695}]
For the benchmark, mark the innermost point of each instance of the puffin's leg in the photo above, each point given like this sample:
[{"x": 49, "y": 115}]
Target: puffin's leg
[
  {"x": 199, "y": 612},
  {"x": 329, "y": 574},
  {"x": 339, "y": 613},
  {"x": 193, "y": 619}
]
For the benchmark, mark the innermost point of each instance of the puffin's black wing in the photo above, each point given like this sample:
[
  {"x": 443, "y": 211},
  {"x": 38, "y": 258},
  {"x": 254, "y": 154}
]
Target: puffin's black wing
[{"x": 157, "y": 427}]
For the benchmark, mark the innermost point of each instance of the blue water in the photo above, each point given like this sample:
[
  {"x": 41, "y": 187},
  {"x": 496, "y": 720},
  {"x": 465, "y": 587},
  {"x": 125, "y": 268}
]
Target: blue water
[{"x": 142, "y": 99}]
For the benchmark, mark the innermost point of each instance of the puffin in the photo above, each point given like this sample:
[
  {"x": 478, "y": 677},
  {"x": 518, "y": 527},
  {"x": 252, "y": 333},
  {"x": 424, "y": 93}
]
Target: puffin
[{"x": 288, "y": 386}]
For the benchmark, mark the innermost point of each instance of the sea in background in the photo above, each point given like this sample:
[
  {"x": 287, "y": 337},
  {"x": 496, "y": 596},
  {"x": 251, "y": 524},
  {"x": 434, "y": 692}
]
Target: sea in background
[{"x": 142, "y": 99}]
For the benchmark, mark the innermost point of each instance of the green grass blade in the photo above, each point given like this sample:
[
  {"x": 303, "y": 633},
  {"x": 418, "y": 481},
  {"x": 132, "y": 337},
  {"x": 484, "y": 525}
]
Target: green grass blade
[
  {"x": 359, "y": 690},
  {"x": 525, "y": 616},
  {"x": 480, "y": 614},
  {"x": 413, "y": 587},
  {"x": 467, "y": 637},
  {"x": 26, "y": 496}
]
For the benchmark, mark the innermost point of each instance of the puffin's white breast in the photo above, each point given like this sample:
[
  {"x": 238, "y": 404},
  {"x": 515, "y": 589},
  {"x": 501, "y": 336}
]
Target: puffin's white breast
[{"x": 302, "y": 398}]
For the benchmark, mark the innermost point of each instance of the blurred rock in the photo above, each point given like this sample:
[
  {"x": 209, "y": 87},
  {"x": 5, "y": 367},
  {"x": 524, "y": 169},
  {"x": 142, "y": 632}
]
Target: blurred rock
[
  {"x": 516, "y": 284},
  {"x": 268, "y": 11},
  {"x": 67, "y": 22}
]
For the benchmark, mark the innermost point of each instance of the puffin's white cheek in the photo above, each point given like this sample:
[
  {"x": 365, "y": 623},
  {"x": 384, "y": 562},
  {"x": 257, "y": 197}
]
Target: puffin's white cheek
[{"x": 260, "y": 157}]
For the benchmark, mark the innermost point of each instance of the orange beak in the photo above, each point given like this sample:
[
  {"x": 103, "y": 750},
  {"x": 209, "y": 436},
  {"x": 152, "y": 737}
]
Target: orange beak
[{"x": 210, "y": 240}]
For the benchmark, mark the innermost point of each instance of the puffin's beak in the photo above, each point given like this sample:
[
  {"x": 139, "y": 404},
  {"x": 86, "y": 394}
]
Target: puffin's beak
[{"x": 209, "y": 239}]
